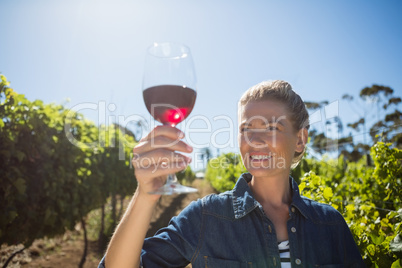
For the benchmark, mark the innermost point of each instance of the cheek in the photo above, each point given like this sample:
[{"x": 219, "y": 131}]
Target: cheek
[
  {"x": 288, "y": 147},
  {"x": 240, "y": 142}
]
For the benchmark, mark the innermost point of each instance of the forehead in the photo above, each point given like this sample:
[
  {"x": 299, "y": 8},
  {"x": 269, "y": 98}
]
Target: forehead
[{"x": 268, "y": 109}]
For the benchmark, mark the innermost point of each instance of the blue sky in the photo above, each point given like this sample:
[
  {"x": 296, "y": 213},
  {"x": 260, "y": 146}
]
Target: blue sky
[{"x": 92, "y": 51}]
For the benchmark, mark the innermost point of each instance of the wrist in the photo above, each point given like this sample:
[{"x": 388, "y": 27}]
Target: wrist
[{"x": 141, "y": 195}]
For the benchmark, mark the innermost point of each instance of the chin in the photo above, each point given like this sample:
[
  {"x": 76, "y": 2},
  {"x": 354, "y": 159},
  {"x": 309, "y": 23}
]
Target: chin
[
  {"x": 266, "y": 165},
  {"x": 262, "y": 172},
  {"x": 268, "y": 171}
]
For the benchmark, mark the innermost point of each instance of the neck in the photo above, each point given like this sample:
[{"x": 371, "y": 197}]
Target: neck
[{"x": 273, "y": 190}]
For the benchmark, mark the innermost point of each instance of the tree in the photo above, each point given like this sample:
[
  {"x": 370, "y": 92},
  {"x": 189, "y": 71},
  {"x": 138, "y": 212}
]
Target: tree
[
  {"x": 377, "y": 119},
  {"x": 186, "y": 176},
  {"x": 375, "y": 109},
  {"x": 206, "y": 153},
  {"x": 319, "y": 141}
]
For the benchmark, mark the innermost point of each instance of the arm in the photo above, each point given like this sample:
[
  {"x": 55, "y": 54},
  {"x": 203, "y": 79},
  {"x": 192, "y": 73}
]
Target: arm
[
  {"x": 177, "y": 244},
  {"x": 159, "y": 146}
]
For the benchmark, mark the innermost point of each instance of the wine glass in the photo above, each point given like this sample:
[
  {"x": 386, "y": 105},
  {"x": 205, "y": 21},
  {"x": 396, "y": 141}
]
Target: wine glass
[{"x": 169, "y": 93}]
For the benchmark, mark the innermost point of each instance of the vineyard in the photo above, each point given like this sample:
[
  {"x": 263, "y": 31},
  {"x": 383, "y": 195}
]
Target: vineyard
[{"x": 56, "y": 168}]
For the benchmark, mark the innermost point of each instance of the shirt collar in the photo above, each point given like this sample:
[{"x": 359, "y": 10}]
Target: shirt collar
[{"x": 244, "y": 201}]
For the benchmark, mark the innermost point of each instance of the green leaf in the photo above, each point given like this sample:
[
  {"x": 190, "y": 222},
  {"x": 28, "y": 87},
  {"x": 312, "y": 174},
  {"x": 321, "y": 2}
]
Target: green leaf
[
  {"x": 371, "y": 249},
  {"x": 377, "y": 240},
  {"x": 328, "y": 193},
  {"x": 20, "y": 185},
  {"x": 396, "y": 244},
  {"x": 11, "y": 216},
  {"x": 398, "y": 154},
  {"x": 400, "y": 213},
  {"x": 397, "y": 264},
  {"x": 20, "y": 155}
]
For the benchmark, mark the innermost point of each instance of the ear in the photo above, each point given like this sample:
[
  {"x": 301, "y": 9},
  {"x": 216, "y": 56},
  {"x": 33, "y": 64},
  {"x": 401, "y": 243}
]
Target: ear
[{"x": 302, "y": 136}]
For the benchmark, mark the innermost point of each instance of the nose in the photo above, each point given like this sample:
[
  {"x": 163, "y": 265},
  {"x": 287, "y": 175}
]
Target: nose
[{"x": 256, "y": 139}]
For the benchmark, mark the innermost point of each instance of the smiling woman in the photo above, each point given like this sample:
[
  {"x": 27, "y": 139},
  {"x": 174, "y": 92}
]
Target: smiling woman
[
  {"x": 273, "y": 129},
  {"x": 277, "y": 109},
  {"x": 262, "y": 222}
]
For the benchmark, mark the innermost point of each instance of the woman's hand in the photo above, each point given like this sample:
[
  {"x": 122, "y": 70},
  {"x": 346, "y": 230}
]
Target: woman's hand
[{"x": 155, "y": 158}]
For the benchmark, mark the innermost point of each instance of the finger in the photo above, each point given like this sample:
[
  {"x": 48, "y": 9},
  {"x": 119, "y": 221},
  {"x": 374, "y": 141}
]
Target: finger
[
  {"x": 162, "y": 142},
  {"x": 168, "y": 131},
  {"x": 158, "y": 156}
]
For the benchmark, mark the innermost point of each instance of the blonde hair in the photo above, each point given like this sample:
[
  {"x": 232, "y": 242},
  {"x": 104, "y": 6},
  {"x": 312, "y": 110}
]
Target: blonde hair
[{"x": 281, "y": 91}]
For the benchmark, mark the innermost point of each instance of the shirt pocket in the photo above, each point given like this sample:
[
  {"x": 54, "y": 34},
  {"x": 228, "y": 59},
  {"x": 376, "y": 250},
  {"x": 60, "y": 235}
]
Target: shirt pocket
[{"x": 221, "y": 263}]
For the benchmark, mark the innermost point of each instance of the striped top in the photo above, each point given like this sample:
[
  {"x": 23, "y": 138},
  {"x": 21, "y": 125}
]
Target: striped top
[{"x": 284, "y": 254}]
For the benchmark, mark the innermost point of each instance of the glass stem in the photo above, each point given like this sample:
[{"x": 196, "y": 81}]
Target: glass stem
[{"x": 171, "y": 179}]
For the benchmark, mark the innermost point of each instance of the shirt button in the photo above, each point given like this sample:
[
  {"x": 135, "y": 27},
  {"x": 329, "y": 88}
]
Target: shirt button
[
  {"x": 293, "y": 209},
  {"x": 269, "y": 229},
  {"x": 298, "y": 261},
  {"x": 293, "y": 229}
]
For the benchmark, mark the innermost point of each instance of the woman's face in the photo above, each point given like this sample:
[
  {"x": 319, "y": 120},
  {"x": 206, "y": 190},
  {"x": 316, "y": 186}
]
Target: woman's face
[{"x": 267, "y": 138}]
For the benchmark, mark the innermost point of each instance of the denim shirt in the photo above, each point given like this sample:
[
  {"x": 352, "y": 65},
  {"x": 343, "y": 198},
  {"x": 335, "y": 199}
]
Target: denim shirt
[{"x": 231, "y": 230}]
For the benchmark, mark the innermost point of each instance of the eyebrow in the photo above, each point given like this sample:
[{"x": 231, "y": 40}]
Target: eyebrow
[{"x": 280, "y": 122}]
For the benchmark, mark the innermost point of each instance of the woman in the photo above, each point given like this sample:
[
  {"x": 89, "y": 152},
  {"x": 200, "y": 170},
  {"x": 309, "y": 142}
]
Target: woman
[{"x": 262, "y": 222}]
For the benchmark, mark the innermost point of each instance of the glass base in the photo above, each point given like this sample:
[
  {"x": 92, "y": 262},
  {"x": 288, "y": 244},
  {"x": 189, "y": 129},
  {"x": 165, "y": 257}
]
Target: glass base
[{"x": 174, "y": 188}]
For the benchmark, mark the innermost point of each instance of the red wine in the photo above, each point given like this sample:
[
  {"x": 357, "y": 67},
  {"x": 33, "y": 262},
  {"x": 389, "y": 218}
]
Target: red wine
[{"x": 169, "y": 104}]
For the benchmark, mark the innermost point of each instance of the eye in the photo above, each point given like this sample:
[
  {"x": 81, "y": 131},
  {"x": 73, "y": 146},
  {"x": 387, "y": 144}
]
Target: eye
[{"x": 272, "y": 128}]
